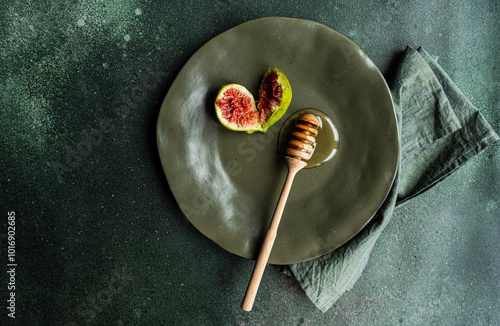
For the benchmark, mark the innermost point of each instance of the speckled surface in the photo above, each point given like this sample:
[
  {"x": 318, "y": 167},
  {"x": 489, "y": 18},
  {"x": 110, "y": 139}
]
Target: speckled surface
[{"x": 100, "y": 239}]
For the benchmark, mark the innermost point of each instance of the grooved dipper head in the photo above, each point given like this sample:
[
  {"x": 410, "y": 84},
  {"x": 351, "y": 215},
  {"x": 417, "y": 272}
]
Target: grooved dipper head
[{"x": 302, "y": 141}]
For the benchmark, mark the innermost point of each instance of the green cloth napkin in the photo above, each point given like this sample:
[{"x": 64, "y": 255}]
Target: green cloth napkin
[{"x": 440, "y": 130}]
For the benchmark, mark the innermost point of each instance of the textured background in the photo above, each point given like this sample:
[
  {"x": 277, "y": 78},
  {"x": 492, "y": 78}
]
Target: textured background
[{"x": 100, "y": 239}]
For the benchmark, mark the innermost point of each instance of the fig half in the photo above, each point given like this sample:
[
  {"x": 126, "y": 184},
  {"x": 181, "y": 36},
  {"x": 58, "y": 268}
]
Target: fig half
[
  {"x": 275, "y": 95},
  {"x": 236, "y": 109}
]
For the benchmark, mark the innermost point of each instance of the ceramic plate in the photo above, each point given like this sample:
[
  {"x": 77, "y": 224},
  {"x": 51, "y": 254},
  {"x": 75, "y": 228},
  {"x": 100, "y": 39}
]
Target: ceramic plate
[{"x": 227, "y": 183}]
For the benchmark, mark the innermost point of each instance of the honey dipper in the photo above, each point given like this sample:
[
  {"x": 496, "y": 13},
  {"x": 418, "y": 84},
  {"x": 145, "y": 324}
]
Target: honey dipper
[{"x": 299, "y": 150}]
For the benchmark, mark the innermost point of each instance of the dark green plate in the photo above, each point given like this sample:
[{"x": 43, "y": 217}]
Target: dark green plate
[{"x": 227, "y": 183}]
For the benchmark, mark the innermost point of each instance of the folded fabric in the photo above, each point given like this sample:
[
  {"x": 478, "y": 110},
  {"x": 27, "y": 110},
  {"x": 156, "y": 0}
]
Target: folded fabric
[{"x": 440, "y": 130}]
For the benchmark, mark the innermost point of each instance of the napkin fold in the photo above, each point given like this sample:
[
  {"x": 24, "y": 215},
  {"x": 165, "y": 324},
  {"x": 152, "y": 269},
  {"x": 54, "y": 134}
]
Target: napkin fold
[{"x": 440, "y": 130}]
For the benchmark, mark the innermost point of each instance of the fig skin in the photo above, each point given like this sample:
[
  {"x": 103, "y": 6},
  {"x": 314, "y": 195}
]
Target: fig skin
[{"x": 286, "y": 97}]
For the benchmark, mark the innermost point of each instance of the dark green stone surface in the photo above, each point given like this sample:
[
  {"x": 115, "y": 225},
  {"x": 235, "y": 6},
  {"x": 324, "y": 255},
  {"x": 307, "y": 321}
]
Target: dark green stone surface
[{"x": 100, "y": 239}]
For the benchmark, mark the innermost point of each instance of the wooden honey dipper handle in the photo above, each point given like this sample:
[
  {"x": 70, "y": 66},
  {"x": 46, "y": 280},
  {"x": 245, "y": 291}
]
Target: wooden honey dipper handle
[
  {"x": 298, "y": 148},
  {"x": 294, "y": 166}
]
